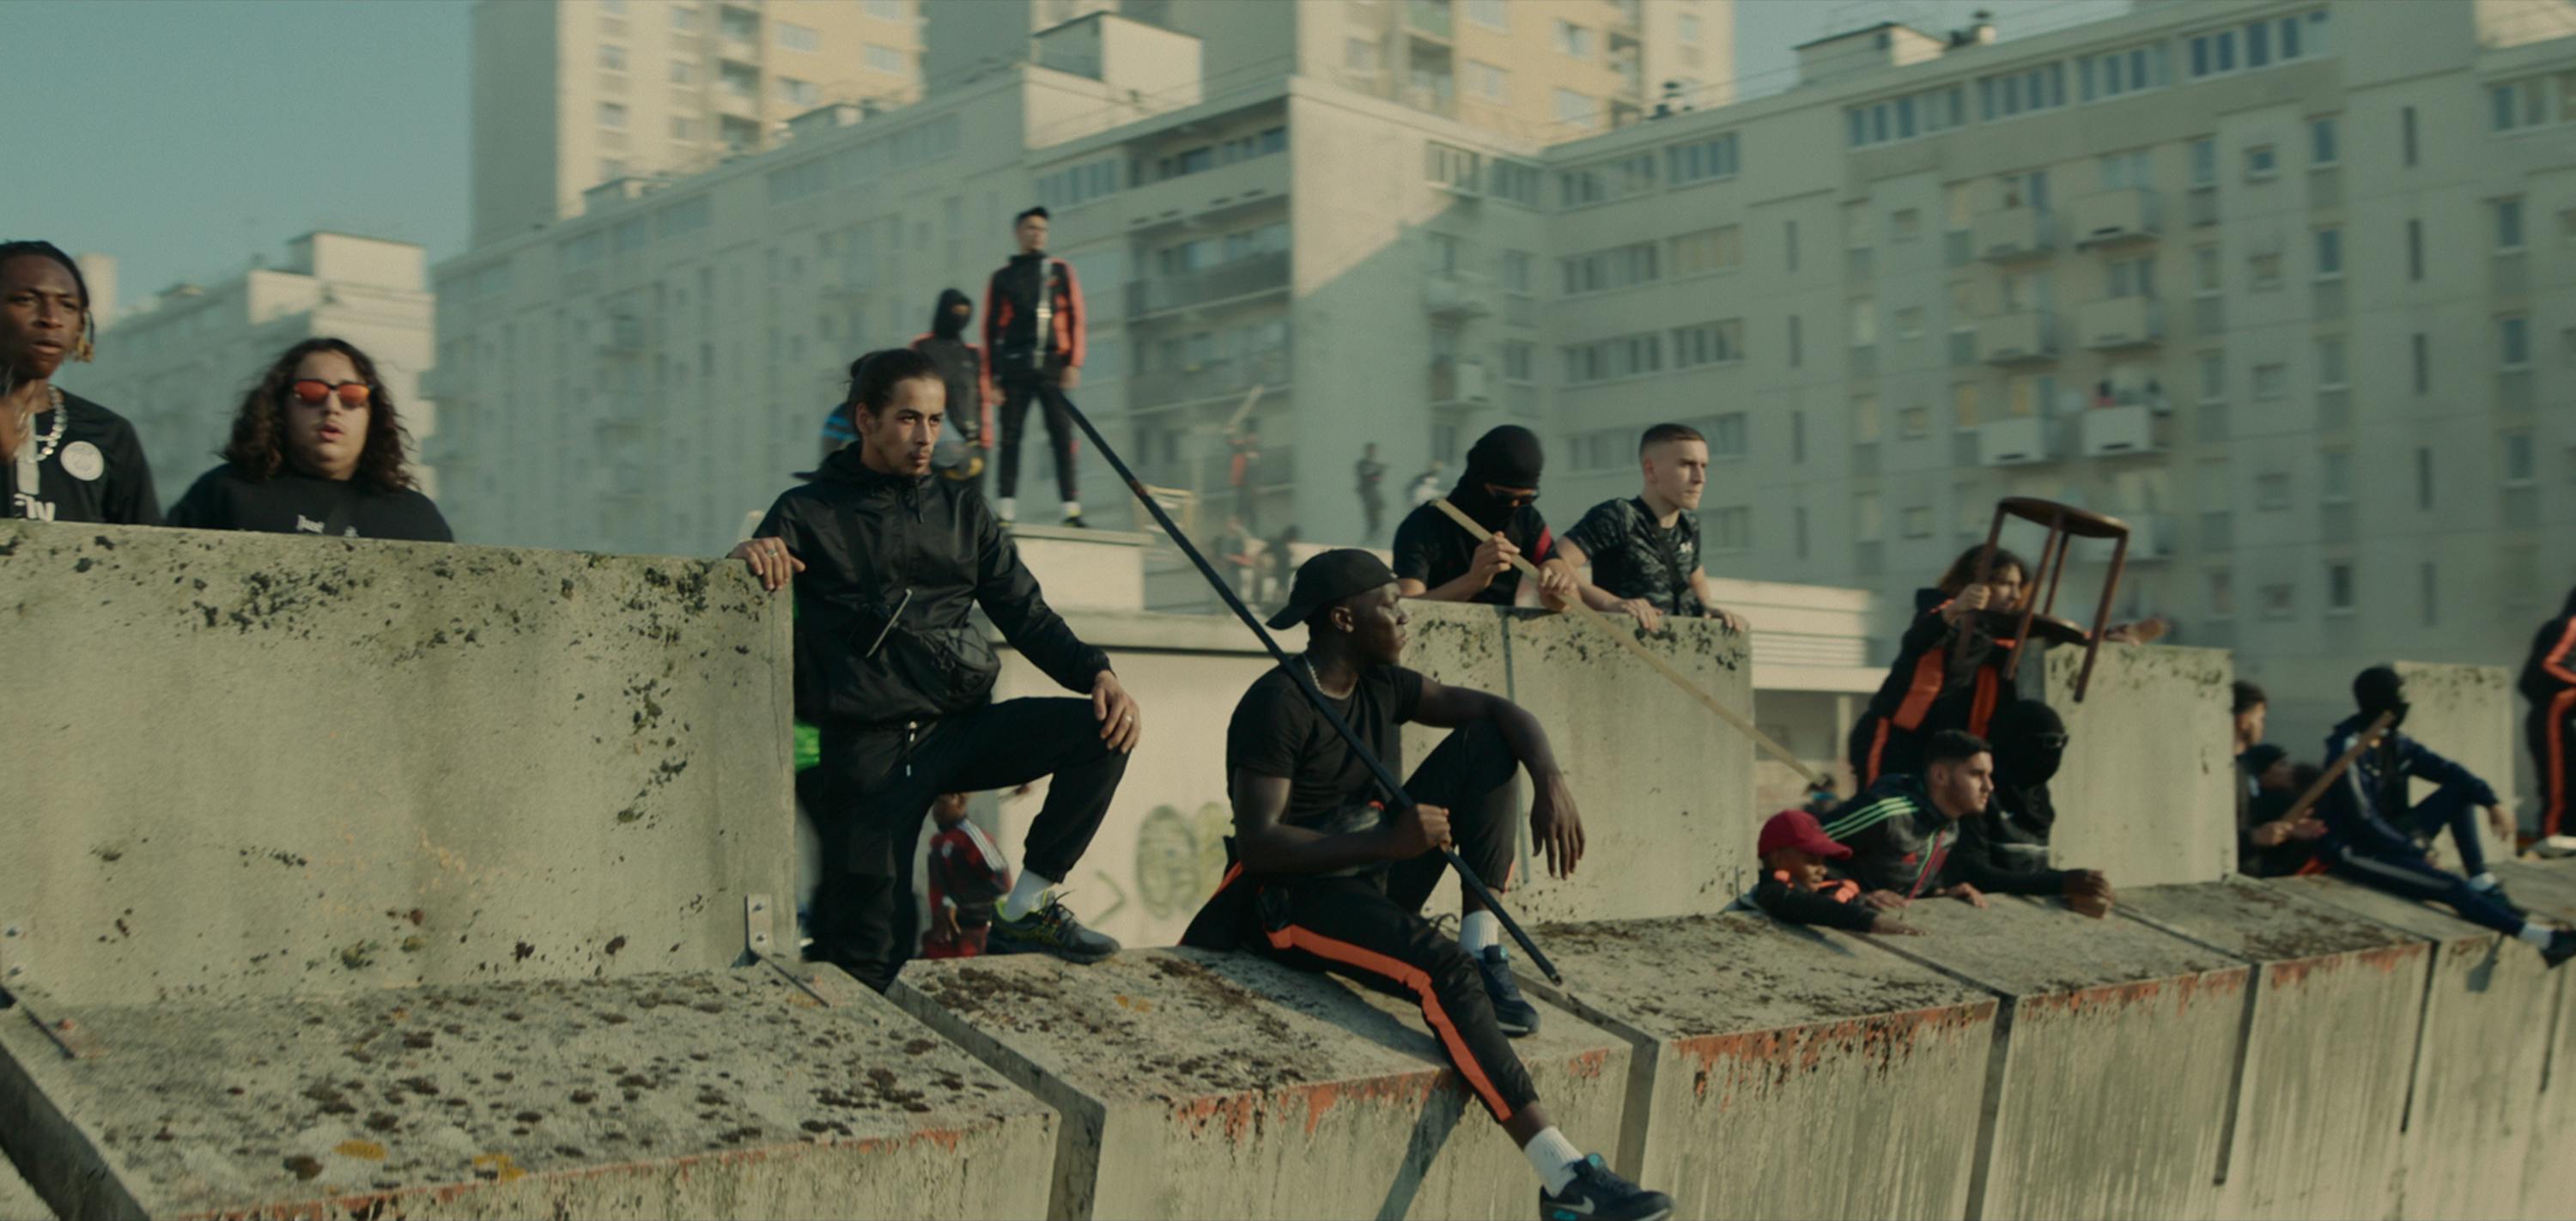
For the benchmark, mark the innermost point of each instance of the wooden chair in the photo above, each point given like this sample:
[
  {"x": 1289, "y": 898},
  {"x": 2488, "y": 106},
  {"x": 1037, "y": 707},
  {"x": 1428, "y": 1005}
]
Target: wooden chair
[{"x": 2065, "y": 523}]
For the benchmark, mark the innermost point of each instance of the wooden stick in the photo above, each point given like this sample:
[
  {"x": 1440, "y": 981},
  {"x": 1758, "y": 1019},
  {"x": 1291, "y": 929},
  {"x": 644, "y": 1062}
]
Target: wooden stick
[
  {"x": 1628, "y": 640},
  {"x": 2369, "y": 738}
]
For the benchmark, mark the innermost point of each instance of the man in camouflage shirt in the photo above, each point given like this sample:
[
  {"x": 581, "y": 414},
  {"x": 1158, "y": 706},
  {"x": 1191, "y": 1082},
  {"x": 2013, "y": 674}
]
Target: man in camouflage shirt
[{"x": 1645, "y": 551}]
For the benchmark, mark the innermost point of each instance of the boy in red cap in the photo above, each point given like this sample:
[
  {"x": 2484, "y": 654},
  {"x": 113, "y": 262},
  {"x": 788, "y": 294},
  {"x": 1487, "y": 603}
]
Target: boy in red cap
[{"x": 1797, "y": 888}]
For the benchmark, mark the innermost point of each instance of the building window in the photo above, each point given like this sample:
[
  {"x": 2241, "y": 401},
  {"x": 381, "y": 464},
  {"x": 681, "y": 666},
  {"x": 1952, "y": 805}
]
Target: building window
[
  {"x": 2330, "y": 363},
  {"x": 2204, "y": 163},
  {"x": 2406, "y": 135},
  {"x": 2264, "y": 270},
  {"x": 1727, "y": 436},
  {"x": 2521, "y": 105},
  {"x": 1520, "y": 361},
  {"x": 2213, "y": 377},
  {"x": 1729, "y": 529},
  {"x": 1864, "y": 322},
  {"x": 1709, "y": 343},
  {"x": 1489, "y": 82},
  {"x": 889, "y": 60},
  {"x": 2329, "y": 253},
  {"x": 2325, "y": 142},
  {"x": 1798, "y": 531},
  {"x": 1708, "y": 250},
  {"x": 1914, "y": 423},
  {"x": 1909, "y": 322},
  {"x": 1964, "y": 405},
  {"x": 1904, "y": 118},
  {"x": 1360, "y": 55},
  {"x": 2520, "y": 458},
  {"x": 1916, "y": 521},
  {"x": 1789, "y": 243},
  {"x": 1865, "y": 518},
  {"x": 612, "y": 116},
  {"x": 1905, "y": 225},
  {"x": 1491, "y": 14},
  {"x": 612, "y": 57},
  {"x": 2133, "y": 277},
  {"x": 1572, "y": 107},
  {"x": 2261, "y": 43},
  {"x": 1798, "y": 437},
  {"x": 888, "y": 10},
  {"x": 611, "y": 169},
  {"x": 1797, "y": 342},
  {"x": 2219, "y": 596},
  {"x": 2424, "y": 479},
  {"x": 2334, "y": 478},
  {"x": 2120, "y": 73},
  {"x": 2272, "y": 490},
  {"x": 1574, "y": 40},
  {"x": 2271, "y": 381},
  {"x": 794, "y": 37},
  {"x": 2207, "y": 274},
  {"x": 1701, "y": 160},
  {"x": 684, "y": 73},
  {"x": 2261, "y": 162},
  {"x": 684, "y": 20},
  {"x": 683, "y": 129},
  {"x": 797, "y": 93},
  {"x": 1865, "y": 427},
  {"x": 2415, "y": 250},
  {"x": 738, "y": 25},
  {"x": 1602, "y": 270},
  {"x": 2513, "y": 335},
  {"x": 2508, "y": 224},
  {"x": 2423, "y": 353},
  {"x": 2339, "y": 588},
  {"x": 2134, "y": 168}
]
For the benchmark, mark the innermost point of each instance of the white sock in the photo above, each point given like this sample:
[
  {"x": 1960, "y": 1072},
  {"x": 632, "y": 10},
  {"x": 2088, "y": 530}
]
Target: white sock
[
  {"x": 1554, "y": 1157},
  {"x": 1025, "y": 894},
  {"x": 1010, "y": 508},
  {"x": 2536, "y": 933},
  {"x": 1478, "y": 929},
  {"x": 2484, "y": 881},
  {"x": 1073, "y": 508}
]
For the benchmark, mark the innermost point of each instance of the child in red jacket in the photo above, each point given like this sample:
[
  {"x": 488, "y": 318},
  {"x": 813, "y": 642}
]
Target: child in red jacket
[
  {"x": 1796, "y": 888},
  {"x": 967, "y": 879}
]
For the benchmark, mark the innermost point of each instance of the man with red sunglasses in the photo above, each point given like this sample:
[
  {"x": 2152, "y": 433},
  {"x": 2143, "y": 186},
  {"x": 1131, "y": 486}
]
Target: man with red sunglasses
[{"x": 316, "y": 449}]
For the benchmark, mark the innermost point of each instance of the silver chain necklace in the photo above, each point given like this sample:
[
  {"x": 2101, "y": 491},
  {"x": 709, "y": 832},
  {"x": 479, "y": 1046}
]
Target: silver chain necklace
[{"x": 53, "y": 438}]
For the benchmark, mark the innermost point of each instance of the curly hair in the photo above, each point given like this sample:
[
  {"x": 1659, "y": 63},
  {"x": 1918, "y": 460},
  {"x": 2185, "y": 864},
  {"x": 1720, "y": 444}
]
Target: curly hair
[
  {"x": 258, "y": 447},
  {"x": 1963, "y": 570}
]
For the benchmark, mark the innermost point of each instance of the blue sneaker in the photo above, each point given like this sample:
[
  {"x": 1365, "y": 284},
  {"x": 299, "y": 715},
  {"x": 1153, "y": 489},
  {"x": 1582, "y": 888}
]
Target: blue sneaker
[
  {"x": 1512, "y": 1012},
  {"x": 1598, "y": 1195}
]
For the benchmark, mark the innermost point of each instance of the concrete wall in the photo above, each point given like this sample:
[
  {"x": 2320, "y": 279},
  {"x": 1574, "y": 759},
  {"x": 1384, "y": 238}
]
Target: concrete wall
[
  {"x": 261, "y": 764},
  {"x": 2468, "y": 715},
  {"x": 2144, "y": 794},
  {"x": 2549, "y": 1179}
]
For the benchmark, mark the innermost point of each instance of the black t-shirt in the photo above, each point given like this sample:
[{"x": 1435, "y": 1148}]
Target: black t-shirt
[
  {"x": 291, "y": 503},
  {"x": 1431, "y": 549},
  {"x": 97, "y": 474},
  {"x": 1633, "y": 557},
  {"x": 1276, "y": 732}
]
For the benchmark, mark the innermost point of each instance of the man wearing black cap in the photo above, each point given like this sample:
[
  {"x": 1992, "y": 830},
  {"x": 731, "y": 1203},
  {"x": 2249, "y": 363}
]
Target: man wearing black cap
[
  {"x": 1436, "y": 560},
  {"x": 2375, "y": 837},
  {"x": 1325, "y": 879},
  {"x": 1033, "y": 332}
]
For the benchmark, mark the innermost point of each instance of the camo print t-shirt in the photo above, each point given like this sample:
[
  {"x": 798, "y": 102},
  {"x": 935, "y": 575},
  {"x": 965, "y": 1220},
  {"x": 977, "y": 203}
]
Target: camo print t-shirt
[{"x": 1634, "y": 558}]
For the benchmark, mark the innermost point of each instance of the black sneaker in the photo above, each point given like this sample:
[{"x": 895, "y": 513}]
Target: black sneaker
[
  {"x": 2561, "y": 947},
  {"x": 1074, "y": 521},
  {"x": 1598, "y": 1195},
  {"x": 2497, "y": 893},
  {"x": 1512, "y": 1011},
  {"x": 1050, "y": 929}
]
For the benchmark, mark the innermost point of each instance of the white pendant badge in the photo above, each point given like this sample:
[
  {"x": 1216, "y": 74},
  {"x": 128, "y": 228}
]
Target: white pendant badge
[{"x": 82, "y": 461}]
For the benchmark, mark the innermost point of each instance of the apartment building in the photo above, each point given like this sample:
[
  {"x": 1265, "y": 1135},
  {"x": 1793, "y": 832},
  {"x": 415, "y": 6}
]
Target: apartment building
[
  {"x": 1529, "y": 70},
  {"x": 177, "y": 365},
  {"x": 2290, "y": 287},
  {"x": 572, "y": 93}
]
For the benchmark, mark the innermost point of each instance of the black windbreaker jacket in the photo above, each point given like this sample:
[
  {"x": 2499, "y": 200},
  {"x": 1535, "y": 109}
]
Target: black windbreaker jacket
[{"x": 893, "y": 565}]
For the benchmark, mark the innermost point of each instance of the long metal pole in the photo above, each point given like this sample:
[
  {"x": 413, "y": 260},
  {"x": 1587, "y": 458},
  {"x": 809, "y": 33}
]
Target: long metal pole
[{"x": 1386, "y": 778}]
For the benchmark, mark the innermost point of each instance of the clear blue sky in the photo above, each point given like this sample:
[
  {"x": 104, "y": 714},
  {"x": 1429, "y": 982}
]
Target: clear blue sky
[{"x": 182, "y": 135}]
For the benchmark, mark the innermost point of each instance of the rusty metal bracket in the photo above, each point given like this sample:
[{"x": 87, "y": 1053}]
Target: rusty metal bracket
[{"x": 756, "y": 925}]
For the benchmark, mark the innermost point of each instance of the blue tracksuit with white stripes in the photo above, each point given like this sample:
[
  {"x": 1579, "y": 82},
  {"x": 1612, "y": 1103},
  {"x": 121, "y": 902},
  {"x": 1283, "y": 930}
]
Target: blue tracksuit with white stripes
[{"x": 2362, "y": 845}]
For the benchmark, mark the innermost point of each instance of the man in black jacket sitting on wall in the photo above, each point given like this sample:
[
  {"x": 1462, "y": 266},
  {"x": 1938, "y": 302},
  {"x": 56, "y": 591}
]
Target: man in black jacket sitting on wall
[
  {"x": 887, "y": 561},
  {"x": 1905, "y": 834}
]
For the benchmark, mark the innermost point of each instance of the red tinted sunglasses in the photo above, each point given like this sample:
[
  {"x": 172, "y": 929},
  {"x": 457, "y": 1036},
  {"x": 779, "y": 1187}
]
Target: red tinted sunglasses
[{"x": 313, "y": 391}]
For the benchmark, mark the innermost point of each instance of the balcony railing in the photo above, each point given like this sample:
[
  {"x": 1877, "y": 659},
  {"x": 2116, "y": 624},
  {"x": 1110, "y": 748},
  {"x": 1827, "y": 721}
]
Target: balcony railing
[
  {"x": 2017, "y": 441},
  {"x": 2117, "y": 218},
  {"x": 1456, "y": 382},
  {"x": 2121, "y": 322},
  {"x": 2151, "y": 540},
  {"x": 1262, "y": 273},
  {"x": 2027, "y": 337},
  {"x": 2014, "y": 234},
  {"x": 2118, "y": 431},
  {"x": 1214, "y": 379},
  {"x": 1457, "y": 294}
]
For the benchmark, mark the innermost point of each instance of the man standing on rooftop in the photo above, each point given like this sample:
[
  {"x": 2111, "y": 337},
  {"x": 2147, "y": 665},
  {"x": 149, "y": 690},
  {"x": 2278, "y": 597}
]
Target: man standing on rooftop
[{"x": 1033, "y": 334}]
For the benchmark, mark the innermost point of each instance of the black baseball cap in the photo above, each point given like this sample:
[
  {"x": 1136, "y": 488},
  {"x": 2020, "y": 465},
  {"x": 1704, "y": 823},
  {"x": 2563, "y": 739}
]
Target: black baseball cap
[
  {"x": 1328, "y": 578},
  {"x": 2262, "y": 756}
]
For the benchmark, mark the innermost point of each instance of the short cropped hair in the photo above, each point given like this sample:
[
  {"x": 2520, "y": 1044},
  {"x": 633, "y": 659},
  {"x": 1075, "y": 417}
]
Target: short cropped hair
[
  {"x": 2246, "y": 698},
  {"x": 1954, "y": 746},
  {"x": 1661, "y": 433},
  {"x": 1039, "y": 212}
]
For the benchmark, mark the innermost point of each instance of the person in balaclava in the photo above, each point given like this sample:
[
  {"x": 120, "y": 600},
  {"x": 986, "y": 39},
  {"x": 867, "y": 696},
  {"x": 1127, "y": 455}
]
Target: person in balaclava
[
  {"x": 970, "y": 388},
  {"x": 1438, "y": 561},
  {"x": 2549, "y": 682},
  {"x": 2374, "y": 837},
  {"x": 2005, "y": 849}
]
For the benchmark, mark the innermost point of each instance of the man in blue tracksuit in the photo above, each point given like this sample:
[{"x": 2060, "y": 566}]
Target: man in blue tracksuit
[{"x": 2368, "y": 821}]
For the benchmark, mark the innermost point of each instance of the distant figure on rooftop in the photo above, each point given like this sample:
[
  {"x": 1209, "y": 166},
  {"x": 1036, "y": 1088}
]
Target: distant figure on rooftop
[
  {"x": 1438, "y": 562},
  {"x": 317, "y": 448},
  {"x": 970, "y": 387},
  {"x": 62, "y": 457},
  {"x": 1034, "y": 327},
  {"x": 2549, "y": 682},
  {"x": 1371, "y": 473},
  {"x": 1426, "y": 486},
  {"x": 1645, "y": 551}
]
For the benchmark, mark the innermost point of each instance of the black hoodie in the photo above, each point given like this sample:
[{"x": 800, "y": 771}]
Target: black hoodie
[
  {"x": 1431, "y": 549},
  {"x": 2552, "y": 668},
  {"x": 961, "y": 364},
  {"x": 893, "y": 565}
]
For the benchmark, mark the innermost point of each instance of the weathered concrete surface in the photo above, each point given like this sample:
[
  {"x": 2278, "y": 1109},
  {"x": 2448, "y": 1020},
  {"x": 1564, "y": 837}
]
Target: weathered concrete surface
[
  {"x": 1219, "y": 1085},
  {"x": 1086, "y": 569},
  {"x": 2466, "y": 714},
  {"x": 18, "y": 1201},
  {"x": 2144, "y": 792},
  {"x": 2119, "y": 1058},
  {"x": 2479, "y": 1059},
  {"x": 2311, "y": 1136},
  {"x": 262, "y": 764},
  {"x": 1767, "y": 1053},
  {"x": 2548, "y": 891},
  {"x": 691, "y": 1095}
]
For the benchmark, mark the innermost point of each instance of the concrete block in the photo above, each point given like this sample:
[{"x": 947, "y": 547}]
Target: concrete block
[
  {"x": 1781, "y": 1073},
  {"x": 2478, "y": 1062},
  {"x": 2310, "y": 1135},
  {"x": 258, "y": 764},
  {"x": 2118, "y": 1064},
  {"x": 2145, "y": 792},
  {"x": 1086, "y": 569},
  {"x": 18, "y": 1201},
  {"x": 2466, "y": 714},
  {"x": 1220, "y": 1085},
  {"x": 2548, "y": 891},
  {"x": 703, "y": 1094}
]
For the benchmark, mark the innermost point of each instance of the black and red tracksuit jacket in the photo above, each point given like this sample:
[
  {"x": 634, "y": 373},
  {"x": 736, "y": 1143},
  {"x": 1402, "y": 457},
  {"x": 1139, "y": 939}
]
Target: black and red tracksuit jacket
[
  {"x": 2550, "y": 674},
  {"x": 1925, "y": 691},
  {"x": 1010, "y": 314}
]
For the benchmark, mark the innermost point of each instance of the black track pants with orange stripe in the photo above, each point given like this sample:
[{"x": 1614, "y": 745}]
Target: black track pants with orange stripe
[
  {"x": 1369, "y": 928},
  {"x": 2551, "y": 729}
]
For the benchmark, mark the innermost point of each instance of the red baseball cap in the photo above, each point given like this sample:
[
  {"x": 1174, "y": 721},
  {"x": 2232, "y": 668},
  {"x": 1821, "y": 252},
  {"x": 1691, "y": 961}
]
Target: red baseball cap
[{"x": 1797, "y": 829}]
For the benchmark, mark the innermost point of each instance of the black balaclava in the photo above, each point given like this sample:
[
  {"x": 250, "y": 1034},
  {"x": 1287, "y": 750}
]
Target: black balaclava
[
  {"x": 949, "y": 323},
  {"x": 2030, "y": 743},
  {"x": 1509, "y": 456},
  {"x": 2379, "y": 689}
]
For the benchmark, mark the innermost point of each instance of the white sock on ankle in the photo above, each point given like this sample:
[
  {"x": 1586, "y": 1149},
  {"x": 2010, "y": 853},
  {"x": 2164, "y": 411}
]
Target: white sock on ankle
[
  {"x": 2536, "y": 933},
  {"x": 1009, "y": 508},
  {"x": 1073, "y": 508},
  {"x": 1025, "y": 894},
  {"x": 1554, "y": 1157},
  {"x": 1478, "y": 929},
  {"x": 2484, "y": 881}
]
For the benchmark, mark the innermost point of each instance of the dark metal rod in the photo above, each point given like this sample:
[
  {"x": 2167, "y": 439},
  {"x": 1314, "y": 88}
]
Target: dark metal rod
[{"x": 1386, "y": 778}]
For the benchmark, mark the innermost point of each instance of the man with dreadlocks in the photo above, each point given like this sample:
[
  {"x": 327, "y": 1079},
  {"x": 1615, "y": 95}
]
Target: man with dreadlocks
[{"x": 62, "y": 457}]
